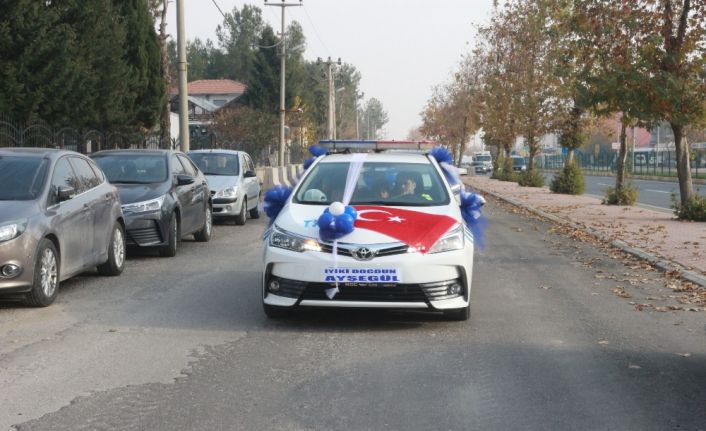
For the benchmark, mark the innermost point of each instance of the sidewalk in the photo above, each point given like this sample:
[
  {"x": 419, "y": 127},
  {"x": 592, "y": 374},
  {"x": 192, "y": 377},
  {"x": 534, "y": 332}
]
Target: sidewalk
[{"x": 654, "y": 236}]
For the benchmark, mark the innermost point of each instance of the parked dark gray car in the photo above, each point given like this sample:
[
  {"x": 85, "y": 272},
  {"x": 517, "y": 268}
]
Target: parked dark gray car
[
  {"x": 58, "y": 217},
  {"x": 164, "y": 196}
]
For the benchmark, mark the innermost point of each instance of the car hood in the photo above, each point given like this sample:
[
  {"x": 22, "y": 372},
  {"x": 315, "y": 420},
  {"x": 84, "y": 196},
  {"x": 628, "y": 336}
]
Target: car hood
[
  {"x": 17, "y": 210},
  {"x": 131, "y": 193},
  {"x": 220, "y": 182},
  {"x": 301, "y": 220}
]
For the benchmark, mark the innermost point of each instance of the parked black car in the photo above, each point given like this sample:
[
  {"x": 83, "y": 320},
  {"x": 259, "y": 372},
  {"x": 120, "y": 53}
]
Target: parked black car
[
  {"x": 164, "y": 196},
  {"x": 58, "y": 217}
]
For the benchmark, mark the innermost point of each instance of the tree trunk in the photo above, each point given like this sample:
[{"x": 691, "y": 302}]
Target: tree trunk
[
  {"x": 686, "y": 189},
  {"x": 165, "y": 118},
  {"x": 569, "y": 157},
  {"x": 622, "y": 157},
  {"x": 462, "y": 145},
  {"x": 532, "y": 151}
]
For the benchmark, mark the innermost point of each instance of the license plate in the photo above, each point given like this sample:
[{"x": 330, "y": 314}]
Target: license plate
[{"x": 362, "y": 275}]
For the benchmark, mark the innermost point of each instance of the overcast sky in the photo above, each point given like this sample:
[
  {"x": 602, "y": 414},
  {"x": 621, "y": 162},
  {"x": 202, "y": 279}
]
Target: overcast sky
[{"x": 401, "y": 48}]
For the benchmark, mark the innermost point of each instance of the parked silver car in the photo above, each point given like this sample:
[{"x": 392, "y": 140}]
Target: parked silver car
[
  {"x": 234, "y": 186},
  {"x": 58, "y": 217}
]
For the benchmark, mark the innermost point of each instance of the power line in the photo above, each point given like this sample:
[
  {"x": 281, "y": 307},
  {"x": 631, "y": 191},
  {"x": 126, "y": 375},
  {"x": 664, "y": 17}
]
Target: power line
[
  {"x": 315, "y": 31},
  {"x": 219, "y": 9}
]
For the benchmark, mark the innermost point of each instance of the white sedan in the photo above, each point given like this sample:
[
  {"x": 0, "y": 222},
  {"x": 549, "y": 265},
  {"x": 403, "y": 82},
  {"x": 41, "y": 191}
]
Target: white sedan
[{"x": 409, "y": 248}]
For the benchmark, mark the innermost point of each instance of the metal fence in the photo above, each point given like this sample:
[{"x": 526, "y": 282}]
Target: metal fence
[
  {"x": 640, "y": 162},
  {"x": 87, "y": 141}
]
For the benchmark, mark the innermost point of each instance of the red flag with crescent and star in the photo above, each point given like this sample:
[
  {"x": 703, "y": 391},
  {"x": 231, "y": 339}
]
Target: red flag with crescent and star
[{"x": 415, "y": 228}]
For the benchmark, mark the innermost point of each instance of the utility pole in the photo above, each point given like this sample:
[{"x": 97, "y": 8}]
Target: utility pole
[
  {"x": 183, "y": 87},
  {"x": 282, "y": 144},
  {"x": 331, "y": 115},
  {"x": 357, "y": 109}
]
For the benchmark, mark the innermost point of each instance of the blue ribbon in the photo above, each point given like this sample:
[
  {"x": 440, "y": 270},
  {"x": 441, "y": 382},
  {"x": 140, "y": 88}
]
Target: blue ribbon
[
  {"x": 444, "y": 157},
  {"x": 274, "y": 200},
  {"x": 316, "y": 151},
  {"x": 471, "y": 204}
]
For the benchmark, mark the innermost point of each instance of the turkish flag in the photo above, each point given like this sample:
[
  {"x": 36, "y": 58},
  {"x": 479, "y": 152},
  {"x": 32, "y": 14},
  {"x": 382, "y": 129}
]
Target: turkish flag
[{"x": 414, "y": 228}]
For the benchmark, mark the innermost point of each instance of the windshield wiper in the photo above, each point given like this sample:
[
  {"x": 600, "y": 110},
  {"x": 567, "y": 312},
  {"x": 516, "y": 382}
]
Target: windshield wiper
[{"x": 129, "y": 182}]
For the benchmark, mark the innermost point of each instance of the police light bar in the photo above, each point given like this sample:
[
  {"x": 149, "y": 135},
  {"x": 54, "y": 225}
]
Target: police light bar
[{"x": 362, "y": 146}]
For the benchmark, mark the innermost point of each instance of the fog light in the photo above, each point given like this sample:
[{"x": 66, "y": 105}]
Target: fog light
[
  {"x": 274, "y": 285},
  {"x": 228, "y": 207},
  {"x": 454, "y": 289},
  {"x": 10, "y": 270}
]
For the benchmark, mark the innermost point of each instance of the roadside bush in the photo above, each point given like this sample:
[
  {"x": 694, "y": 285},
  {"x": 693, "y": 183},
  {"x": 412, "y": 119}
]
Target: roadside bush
[
  {"x": 694, "y": 209},
  {"x": 531, "y": 178},
  {"x": 568, "y": 181},
  {"x": 503, "y": 170},
  {"x": 627, "y": 195}
]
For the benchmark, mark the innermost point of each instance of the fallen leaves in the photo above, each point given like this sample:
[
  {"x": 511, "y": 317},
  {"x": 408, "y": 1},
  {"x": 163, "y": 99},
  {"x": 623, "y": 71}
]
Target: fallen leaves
[{"x": 620, "y": 291}]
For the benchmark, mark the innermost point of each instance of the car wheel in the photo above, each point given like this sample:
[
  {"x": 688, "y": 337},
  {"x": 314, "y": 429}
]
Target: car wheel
[
  {"x": 170, "y": 249},
  {"x": 274, "y": 312},
  {"x": 116, "y": 253},
  {"x": 255, "y": 212},
  {"x": 204, "y": 235},
  {"x": 45, "y": 285},
  {"x": 460, "y": 314},
  {"x": 242, "y": 215}
]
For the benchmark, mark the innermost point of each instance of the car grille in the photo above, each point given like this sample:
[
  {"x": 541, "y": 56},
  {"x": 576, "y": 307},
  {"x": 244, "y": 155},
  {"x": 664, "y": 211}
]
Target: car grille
[
  {"x": 144, "y": 236},
  {"x": 367, "y": 292},
  {"x": 346, "y": 250},
  {"x": 370, "y": 292}
]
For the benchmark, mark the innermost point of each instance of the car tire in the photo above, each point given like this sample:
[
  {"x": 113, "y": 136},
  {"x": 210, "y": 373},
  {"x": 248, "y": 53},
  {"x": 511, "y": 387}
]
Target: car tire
[
  {"x": 170, "y": 249},
  {"x": 459, "y": 314},
  {"x": 274, "y": 312},
  {"x": 255, "y": 212},
  {"x": 45, "y": 284},
  {"x": 242, "y": 215},
  {"x": 204, "y": 235},
  {"x": 116, "y": 253}
]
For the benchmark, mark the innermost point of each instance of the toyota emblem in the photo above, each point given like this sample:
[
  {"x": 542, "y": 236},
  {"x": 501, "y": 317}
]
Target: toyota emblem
[{"x": 363, "y": 253}]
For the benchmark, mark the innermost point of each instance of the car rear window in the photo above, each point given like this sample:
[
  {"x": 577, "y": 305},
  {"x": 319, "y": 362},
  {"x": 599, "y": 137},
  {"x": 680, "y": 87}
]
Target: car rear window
[
  {"x": 216, "y": 163},
  {"x": 380, "y": 183},
  {"x": 22, "y": 178},
  {"x": 133, "y": 168}
]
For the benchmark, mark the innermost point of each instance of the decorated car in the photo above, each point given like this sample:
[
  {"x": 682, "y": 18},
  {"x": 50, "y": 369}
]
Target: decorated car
[{"x": 379, "y": 229}]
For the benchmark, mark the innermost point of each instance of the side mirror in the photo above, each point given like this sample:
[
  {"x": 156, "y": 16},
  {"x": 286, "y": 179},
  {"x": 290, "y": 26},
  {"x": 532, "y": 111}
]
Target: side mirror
[
  {"x": 249, "y": 174},
  {"x": 183, "y": 180},
  {"x": 456, "y": 189},
  {"x": 65, "y": 193}
]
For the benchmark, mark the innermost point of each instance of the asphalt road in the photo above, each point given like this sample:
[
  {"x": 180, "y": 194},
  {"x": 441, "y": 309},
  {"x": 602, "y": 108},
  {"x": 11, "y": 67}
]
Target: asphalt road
[
  {"x": 182, "y": 343},
  {"x": 656, "y": 195}
]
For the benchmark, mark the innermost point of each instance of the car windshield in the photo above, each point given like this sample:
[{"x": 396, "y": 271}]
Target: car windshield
[
  {"x": 133, "y": 168},
  {"x": 216, "y": 163},
  {"x": 483, "y": 158},
  {"x": 379, "y": 183},
  {"x": 518, "y": 161},
  {"x": 22, "y": 178}
]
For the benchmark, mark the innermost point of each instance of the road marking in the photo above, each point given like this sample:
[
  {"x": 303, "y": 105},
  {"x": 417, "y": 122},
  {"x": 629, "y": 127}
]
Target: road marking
[
  {"x": 604, "y": 184},
  {"x": 648, "y": 206},
  {"x": 657, "y": 191}
]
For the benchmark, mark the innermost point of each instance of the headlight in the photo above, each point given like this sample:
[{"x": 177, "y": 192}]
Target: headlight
[
  {"x": 12, "y": 230},
  {"x": 294, "y": 243},
  {"x": 228, "y": 192},
  {"x": 144, "y": 206},
  {"x": 452, "y": 241}
]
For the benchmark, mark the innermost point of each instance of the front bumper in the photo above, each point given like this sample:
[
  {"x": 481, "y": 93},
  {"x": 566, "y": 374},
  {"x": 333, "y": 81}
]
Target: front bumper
[
  {"x": 145, "y": 229},
  {"x": 226, "y": 207},
  {"x": 19, "y": 251},
  {"x": 424, "y": 280}
]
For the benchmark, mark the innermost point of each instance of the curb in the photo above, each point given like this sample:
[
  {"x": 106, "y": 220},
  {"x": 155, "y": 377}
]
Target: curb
[{"x": 659, "y": 263}]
